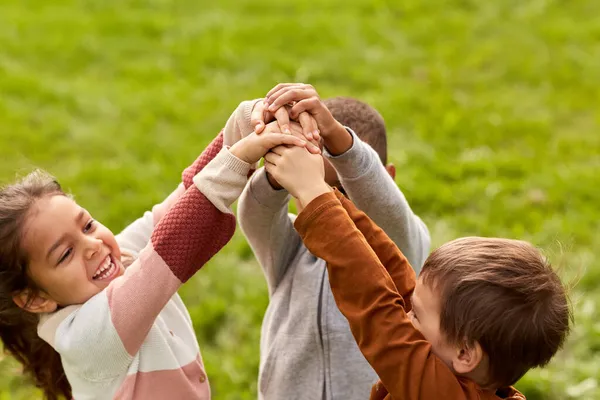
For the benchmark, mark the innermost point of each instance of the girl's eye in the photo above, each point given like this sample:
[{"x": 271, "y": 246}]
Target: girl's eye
[
  {"x": 65, "y": 255},
  {"x": 88, "y": 227}
]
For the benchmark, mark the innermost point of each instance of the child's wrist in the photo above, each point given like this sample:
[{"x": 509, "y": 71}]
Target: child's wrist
[
  {"x": 310, "y": 193},
  {"x": 237, "y": 150},
  {"x": 274, "y": 184},
  {"x": 338, "y": 140}
]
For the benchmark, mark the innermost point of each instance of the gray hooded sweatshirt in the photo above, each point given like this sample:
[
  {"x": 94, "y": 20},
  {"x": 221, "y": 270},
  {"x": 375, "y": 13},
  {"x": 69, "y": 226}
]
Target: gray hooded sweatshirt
[{"x": 307, "y": 351}]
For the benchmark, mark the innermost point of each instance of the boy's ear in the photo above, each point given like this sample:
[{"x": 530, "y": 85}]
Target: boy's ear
[
  {"x": 35, "y": 303},
  {"x": 391, "y": 169},
  {"x": 467, "y": 358}
]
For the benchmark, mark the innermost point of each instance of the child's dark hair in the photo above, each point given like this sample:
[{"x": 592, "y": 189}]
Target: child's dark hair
[
  {"x": 18, "y": 328},
  {"x": 504, "y": 295},
  {"x": 363, "y": 119}
]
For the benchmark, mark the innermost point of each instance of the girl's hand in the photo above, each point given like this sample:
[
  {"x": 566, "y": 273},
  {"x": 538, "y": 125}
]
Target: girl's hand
[
  {"x": 253, "y": 147},
  {"x": 260, "y": 116}
]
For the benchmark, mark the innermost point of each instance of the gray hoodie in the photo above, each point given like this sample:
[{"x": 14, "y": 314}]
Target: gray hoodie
[{"x": 307, "y": 350}]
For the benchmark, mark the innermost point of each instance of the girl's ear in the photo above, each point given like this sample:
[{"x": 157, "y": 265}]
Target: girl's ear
[
  {"x": 34, "y": 303},
  {"x": 467, "y": 358}
]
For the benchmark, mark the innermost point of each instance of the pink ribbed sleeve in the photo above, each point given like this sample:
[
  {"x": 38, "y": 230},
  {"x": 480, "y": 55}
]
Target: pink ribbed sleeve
[{"x": 185, "y": 238}]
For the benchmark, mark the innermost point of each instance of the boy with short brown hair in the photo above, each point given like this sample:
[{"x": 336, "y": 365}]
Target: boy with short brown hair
[{"x": 483, "y": 312}]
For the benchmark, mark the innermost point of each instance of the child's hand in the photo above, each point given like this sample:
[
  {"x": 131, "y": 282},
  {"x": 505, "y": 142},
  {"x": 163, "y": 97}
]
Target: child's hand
[
  {"x": 306, "y": 99},
  {"x": 261, "y": 116},
  {"x": 296, "y": 131},
  {"x": 299, "y": 171},
  {"x": 253, "y": 147}
]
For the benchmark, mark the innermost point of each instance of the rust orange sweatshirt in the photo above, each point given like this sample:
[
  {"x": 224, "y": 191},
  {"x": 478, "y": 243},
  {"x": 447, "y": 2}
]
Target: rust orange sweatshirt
[{"x": 372, "y": 281}]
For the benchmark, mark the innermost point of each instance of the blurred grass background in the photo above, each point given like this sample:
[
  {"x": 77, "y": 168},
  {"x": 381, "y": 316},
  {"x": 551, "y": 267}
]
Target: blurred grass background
[{"x": 492, "y": 111}]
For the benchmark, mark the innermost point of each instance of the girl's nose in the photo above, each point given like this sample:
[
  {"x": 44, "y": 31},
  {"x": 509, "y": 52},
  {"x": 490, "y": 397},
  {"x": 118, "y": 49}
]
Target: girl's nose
[{"x": 92, "y": 247}]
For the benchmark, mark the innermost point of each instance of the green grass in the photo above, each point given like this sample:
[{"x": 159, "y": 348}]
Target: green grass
[{"x": 492, "y": 110}]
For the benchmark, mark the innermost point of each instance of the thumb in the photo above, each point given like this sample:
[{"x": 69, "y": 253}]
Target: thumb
[{"x": 257, "y": 117}]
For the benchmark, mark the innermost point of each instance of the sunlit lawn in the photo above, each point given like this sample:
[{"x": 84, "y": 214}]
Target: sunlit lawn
[{"x": 492, "y": 110}]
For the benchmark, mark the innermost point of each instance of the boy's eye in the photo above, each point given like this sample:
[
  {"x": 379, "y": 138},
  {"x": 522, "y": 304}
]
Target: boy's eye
[
  {"x": 88, "y": 226},
  {"x": 65, "y": 255}
]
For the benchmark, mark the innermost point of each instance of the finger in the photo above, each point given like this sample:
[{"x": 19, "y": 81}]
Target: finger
[
  {"x": 280, "y": 86},
  {"x": 289, "y": 95},
  {"x": 309, "y": 125},
  {"x": 272, "y": 158},
  {"x": 272, "y": 170},
  {"x": 279, "y": 150},
  {"x": 313, "y": 145},
  {"x": 302, "y": 89},
  {"x": 304, "y": 105},
  {"x": 282, "y": 149},
  {"x": 278, "y": 139},
  {"x": 283, "y": 119},
  {"x": 257, "y": 118},
  {"x": 284, "y": 89},
  {"x": 297, "y": 132},
  {"x": 313, "y": 148},
  {"x": 269, "y": 167}
]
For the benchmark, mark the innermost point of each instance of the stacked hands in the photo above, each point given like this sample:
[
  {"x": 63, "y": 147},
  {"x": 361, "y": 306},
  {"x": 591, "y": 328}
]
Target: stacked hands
[{"x": 291, "y": 124}]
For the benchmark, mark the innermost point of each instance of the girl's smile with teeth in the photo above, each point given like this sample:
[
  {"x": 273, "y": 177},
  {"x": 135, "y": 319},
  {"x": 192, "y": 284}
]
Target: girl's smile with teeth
[{"x": 106, "y": 269}]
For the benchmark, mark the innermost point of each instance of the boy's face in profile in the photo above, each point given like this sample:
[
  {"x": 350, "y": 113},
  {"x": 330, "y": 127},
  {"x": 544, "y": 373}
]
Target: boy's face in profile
[{"x": 425, "y": 317}]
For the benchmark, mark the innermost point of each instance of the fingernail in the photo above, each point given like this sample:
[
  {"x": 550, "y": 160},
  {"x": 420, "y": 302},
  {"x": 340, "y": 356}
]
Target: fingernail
[
  {"x": 316, "y": 133},
  {"x": 272, "y": 107},
  {"x": 287, "y": 130},
  {"x": 309, "y": 135}
]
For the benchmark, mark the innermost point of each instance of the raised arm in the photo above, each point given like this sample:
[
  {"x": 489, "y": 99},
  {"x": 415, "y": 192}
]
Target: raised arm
[
  {"x": 367, "y": 296},
  {"x": 264, "y": 220},
  {"x": 373, "y": 190},
  {"x": 389, "y": 255},
  {"x": 136, "y": 235},
  {"x": 184, "y": 239}
]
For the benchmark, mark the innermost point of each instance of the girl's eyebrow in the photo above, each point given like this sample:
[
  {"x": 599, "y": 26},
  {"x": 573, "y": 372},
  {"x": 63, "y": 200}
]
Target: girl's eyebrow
[
  {"x": 62, "y": 237},
  {"x": 55, "y": 246}
]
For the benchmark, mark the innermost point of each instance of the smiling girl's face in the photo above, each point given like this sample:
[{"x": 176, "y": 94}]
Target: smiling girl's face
[{"x": 71, "y": 256}]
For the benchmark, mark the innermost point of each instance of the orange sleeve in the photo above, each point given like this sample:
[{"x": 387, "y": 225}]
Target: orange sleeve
[
  {"x": 396, "y": 264},
  {"x": 369, "y": 299}
]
